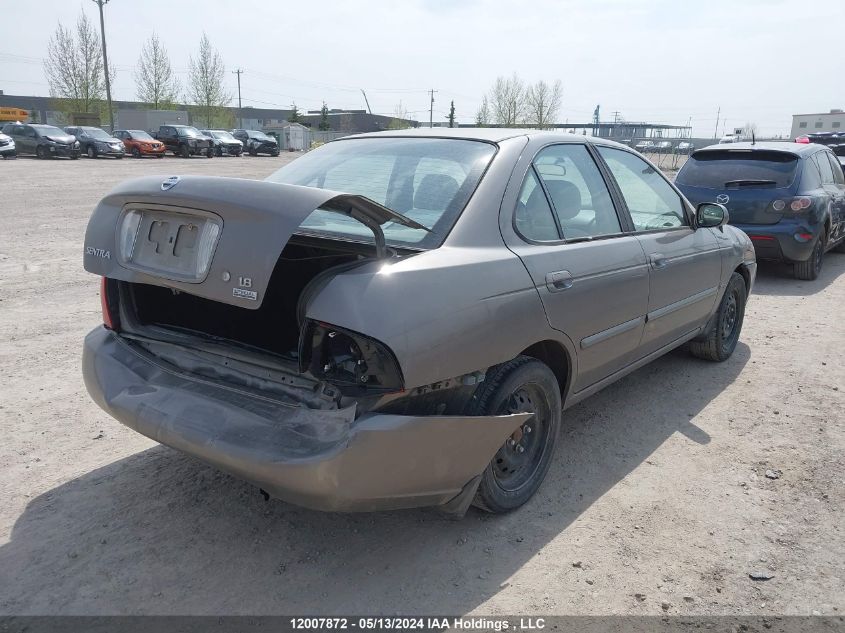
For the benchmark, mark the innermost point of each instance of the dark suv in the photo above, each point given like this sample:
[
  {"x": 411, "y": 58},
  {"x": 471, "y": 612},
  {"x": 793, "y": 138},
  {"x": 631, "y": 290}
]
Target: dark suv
[
  {"x": 45, "y": 141},
  {"x": 94, "y": 141},
  {"x": 788, "y": 197},
  {"x": 185, "y": 141},
  {"x": 257, "y": 142}
]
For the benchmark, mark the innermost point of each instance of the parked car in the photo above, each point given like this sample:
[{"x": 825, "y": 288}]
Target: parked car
[
  {"x": 95, "y": 142},
  {"x": 257, "y": 142},
  {"x": 644, "y": 146},
  {"x": 684, "y": 147},
  {"x": 7, "y": 146},
  {"x": 225, "y": 143},
  {"x": 788, "y": 197},
  {"x": 414, "y": 339},
  {"x": 663, "y": 147},
  {"x": 185, "y": 141},
  {"x": 139, "y": 143},
  {"x": 43, "y": 141}
]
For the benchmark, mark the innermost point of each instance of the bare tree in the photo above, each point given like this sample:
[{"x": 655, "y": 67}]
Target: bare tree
[
  {"x": 482, "y": 115},
  {"x": 749, "y": 130},
  {"x": 400, "y": 118},
  {"x": 507, "y": 100},
  {"x": 205, "y": 82},
  {"x": 543, "y": 103},
  {"x": 74, "y": 68},
  {"x": 154, "y": 80}
]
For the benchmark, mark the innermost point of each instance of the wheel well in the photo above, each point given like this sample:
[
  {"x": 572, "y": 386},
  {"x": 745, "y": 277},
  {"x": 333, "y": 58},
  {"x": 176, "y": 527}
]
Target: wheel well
[
  {"x": 554, "y": 355},
  {"x": 742, "y": 269}
]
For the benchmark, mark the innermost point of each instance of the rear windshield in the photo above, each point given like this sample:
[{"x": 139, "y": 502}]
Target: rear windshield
[
  {"x": 718, "y": 169},
  {"x": 426, "y": 179}
]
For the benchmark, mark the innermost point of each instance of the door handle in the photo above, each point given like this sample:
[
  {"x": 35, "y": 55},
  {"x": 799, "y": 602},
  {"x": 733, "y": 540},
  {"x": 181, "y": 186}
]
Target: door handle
[
  {"x": 658, "y": 260},
  {"x": 559, "y": 280}
]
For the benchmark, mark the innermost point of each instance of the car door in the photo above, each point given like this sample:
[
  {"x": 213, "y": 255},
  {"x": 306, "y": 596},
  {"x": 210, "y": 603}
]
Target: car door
[
  {"x": 591, "y": 277},
  {"x": 29, "y": 139},
  {"x": 835, "y": 189},
  {"x": 685, "y": 265}
]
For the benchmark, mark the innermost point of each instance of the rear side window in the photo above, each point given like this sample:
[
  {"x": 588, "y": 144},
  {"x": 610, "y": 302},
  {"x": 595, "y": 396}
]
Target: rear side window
[
  {"x": 652, "y": 202},
  {"x": 836, "y": 166},
  {"x": 533, "y": 217},
  {"x": 720, "y": 169},
  {"x": 824, "y": 168},
  {"x": 577, "y": 191}
]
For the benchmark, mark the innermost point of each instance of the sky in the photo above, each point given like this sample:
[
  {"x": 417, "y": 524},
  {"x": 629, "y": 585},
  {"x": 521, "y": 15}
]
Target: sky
[{"x": 661, "y": 61}]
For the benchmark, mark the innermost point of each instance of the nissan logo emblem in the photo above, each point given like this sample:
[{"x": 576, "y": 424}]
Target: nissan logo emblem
[{"x": 723, "y": 198}]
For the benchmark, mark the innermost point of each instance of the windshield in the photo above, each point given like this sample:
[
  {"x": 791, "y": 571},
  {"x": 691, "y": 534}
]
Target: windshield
[
  {"x": 49, "y": 130},
  {"x": 95, "y": 132},
  {"x": 225, "y": 136},
  {"x": 261, "y": 136},
  {"x": 140, "y": 135},
  {"x": 428, "y": 180},
  {"x": 188, "y": 131},
  {"x": 727, "y": 168}
]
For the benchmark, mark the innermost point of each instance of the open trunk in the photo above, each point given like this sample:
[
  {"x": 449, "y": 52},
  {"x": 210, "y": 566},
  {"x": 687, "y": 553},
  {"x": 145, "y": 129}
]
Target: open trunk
[{"x": 274, "y": 327}]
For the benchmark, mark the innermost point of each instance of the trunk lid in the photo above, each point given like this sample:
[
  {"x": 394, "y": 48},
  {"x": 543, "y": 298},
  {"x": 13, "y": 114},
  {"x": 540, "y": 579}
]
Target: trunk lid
[{"x": 216, "y": 238}]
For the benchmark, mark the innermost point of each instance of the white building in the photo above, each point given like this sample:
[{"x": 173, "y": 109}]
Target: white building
[{"x": 833, "y": 121}]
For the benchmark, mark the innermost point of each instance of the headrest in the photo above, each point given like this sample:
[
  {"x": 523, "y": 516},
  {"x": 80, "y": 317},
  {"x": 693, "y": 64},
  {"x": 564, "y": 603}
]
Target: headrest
[
  {"x": 435, "y": 192},
  {"x": 566, "y": 198}
]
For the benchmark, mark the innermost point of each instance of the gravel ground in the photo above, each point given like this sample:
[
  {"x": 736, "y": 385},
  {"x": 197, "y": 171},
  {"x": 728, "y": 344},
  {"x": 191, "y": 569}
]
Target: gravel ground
[{"x": 657, "y": 501}]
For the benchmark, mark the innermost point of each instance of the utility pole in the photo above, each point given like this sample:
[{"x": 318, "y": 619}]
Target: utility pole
[
  {"x": 240, "y": 118},
  {"x": 718, "y": 113},
  {"x": 369, "y": 109},
  {"x": 431, "y": 109},
  {"x": 100, "y": 4}
]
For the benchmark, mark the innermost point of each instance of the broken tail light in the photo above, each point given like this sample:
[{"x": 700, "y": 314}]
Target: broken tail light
[{"x": 351, "y": 361}]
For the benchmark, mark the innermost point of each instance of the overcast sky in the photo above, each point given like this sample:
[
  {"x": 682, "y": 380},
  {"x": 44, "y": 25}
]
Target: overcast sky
[{"x": 656, "y": 60}]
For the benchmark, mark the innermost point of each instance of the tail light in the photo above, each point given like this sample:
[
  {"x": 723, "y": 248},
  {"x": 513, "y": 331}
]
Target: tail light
[
  {"x": 108, "y": 303},
  {"x": 797, "y": 204},
  {"x": 352, "y": 362},
  {"x": 802, "y": 139}
]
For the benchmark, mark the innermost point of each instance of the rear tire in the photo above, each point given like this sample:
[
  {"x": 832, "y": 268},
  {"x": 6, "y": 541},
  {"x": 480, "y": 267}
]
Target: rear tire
[
  {"x": 719, "y": 342},
  {"x": 519, "y": 467},
  {"x": 809, "y": 269}
]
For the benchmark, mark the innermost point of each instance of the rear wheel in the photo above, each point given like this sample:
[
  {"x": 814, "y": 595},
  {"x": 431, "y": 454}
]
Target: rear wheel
[
  {"x": 523, "y": 385},
  {"x": 719, "y": 341},
  {"x": 811, "y": 267}
]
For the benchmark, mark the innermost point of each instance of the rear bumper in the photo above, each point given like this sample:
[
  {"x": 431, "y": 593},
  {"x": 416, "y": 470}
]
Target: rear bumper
[
  {"x": 321, "y": 459},
  {"x": 777, "y": 241}
]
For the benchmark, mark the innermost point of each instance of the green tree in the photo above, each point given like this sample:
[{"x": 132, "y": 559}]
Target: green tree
[
  {"x": 154, "y": 80},
  {"x": 324, "y": 118},
  {"x": 452, "y": 114},
  {"x": 295, "y": 116},
  {"x": 205, "y": 82},
  {"x": 74, "y": 69}
]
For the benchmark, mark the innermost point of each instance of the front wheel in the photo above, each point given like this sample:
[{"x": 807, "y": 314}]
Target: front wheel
[
  {"x": 136, "y": 153},
  {"x": 41, "y": 152},
  {"x": 523, "y": 385},
  {"x": 92, "y": 153},
  {"x": 185, "y": 152},
  {"x": 720, "y": 339}
]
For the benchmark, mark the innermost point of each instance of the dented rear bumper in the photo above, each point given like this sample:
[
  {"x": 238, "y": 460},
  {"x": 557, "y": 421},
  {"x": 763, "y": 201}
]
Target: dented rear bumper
[{"x": 320, "y": 459}]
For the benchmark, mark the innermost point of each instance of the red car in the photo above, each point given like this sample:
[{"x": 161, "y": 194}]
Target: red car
[{"x": 140, "y": 143}]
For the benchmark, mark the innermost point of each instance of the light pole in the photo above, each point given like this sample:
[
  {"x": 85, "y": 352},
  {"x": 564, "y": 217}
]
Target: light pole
[
  {"x": 100, "y": 4},
  {"x": 240, "y": 118}
]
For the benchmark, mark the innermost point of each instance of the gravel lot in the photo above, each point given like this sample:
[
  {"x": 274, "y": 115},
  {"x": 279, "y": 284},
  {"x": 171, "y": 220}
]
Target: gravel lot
[{"x": 658, "y": 499}]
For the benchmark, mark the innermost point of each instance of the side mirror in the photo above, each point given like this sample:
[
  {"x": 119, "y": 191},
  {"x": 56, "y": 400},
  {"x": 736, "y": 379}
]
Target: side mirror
[{"x": 711, "y": 215}]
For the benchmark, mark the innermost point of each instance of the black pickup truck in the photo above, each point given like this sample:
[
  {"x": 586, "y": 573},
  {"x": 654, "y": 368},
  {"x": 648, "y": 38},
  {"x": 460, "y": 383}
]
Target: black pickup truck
[{"x": 185, "y": 141}]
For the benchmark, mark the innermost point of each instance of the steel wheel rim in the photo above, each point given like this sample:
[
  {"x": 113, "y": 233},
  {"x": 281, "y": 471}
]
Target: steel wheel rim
[
  {"x": 516, "y": 462},
  {"x": 730, "y": 316}
]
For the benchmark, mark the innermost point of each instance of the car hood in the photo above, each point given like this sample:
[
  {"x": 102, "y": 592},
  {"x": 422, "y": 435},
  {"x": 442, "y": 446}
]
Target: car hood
[
  {"x": 5, "y": 137},
  {"x": 266, "y": 141},
  {"x": 253, "y": 219},
  {"x": 60, "y": 138}
]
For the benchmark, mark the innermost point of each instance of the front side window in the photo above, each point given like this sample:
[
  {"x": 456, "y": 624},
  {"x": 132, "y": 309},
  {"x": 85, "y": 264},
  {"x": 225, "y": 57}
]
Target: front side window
[
  {"x": 577, "y": 191},
  {"x": 427, "y": 180},
  {"x": 652, "y": 202}
]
